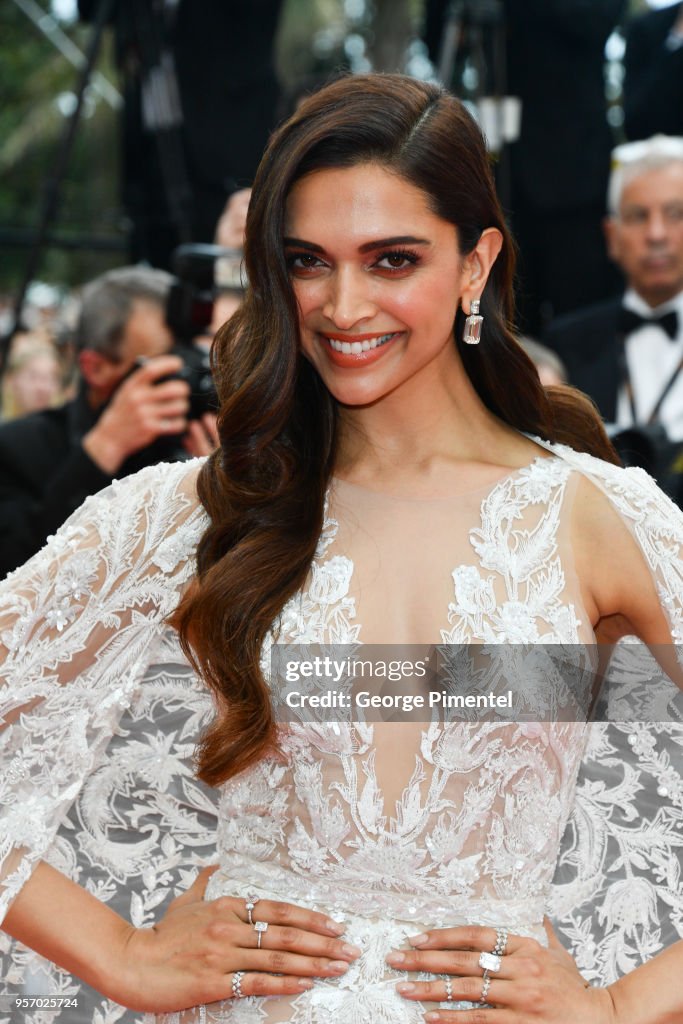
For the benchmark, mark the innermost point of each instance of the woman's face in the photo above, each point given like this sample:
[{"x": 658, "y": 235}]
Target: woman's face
[{"x": 378, "y": 278}]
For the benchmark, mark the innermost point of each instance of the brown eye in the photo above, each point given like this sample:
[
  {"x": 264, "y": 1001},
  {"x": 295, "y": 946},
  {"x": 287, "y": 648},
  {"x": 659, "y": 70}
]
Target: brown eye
[
  {"x": 397, "y": 260},
  {"x": 303, "y": 261}
]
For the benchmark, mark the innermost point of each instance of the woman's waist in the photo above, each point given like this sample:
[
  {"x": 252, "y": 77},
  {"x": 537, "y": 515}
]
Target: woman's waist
[{"x": 386, "y": 915}]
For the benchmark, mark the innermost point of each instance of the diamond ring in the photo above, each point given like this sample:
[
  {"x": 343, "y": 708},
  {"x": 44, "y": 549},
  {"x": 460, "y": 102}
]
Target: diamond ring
[
  {"x": 501, "y": 941},
  {"x": 260, "y": 927},
  {"x": 250, "y": 901},
  {"x": 237, "y": 992},
  {"x": 490, "y": 962}
]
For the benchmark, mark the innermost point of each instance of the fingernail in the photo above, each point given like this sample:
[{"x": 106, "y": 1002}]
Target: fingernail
[
  {"x": 405, "y": 986},
  {"x": 305, "y": 983},
  {"x": 396, "y": 958},
  {"x": 418, "y": 940},
  {"x": 351, "y": 950},
  {"x": 338, "y": 927},
  {"x": 338, "y": 966}
]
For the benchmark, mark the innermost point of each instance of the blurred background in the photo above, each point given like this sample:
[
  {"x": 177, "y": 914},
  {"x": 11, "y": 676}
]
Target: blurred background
[
  {"x": 42, "y": 45},
  {"x": 130, "y": 131}
]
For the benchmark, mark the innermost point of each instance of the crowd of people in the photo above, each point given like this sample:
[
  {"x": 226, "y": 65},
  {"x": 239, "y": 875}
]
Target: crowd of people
[{"x": 393, "y": 460}]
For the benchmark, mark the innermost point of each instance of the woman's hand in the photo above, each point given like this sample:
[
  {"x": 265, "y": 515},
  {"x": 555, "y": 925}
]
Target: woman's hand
[
  {"x": 191, "y": 956},
  {"x": 534, "y": 984}
]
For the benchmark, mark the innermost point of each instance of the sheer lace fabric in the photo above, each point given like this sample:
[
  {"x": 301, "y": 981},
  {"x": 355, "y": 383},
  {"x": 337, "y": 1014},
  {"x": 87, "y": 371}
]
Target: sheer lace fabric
[{"x": 395, "y": 830}]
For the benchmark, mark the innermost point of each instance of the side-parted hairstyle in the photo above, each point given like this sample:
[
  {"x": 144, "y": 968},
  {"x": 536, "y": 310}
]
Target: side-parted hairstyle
[{"x": 264, "y": 488}]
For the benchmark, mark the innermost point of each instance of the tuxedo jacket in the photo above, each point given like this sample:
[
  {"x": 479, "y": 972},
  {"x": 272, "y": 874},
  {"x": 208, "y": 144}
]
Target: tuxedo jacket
[
  {"x": 589, "y": 342},
  {"x": 653, "y": 77}
]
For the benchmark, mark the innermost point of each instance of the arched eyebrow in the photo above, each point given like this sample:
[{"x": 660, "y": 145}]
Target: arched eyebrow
[{"x": 380, "y": 243}]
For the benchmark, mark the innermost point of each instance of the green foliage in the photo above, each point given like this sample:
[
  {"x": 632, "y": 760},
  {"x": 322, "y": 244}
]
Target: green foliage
[
  {"x": 33, "y": 74},
  {"x": 35, "y": 78}
]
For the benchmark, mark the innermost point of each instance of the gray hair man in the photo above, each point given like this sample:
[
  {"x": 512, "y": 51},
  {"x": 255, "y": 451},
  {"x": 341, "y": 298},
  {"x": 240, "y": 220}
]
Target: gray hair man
[
  {"x": 627, "y": 353},
  {"x": 129, "y": 404}
]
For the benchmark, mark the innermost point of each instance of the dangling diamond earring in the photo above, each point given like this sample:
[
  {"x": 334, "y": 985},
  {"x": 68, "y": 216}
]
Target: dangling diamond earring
[{"x": 472, "y": 333}]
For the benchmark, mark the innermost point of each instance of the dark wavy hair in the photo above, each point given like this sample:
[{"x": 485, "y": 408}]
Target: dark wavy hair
[{"x": 264, "y": 487}]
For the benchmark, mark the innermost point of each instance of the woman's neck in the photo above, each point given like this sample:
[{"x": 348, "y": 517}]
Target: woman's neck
[{"x": 415, "y": 433}]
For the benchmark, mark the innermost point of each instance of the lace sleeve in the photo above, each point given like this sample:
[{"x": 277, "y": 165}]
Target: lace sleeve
[
  {"x": 84, "y": 612},
  {"x": 618, "y": 898}
]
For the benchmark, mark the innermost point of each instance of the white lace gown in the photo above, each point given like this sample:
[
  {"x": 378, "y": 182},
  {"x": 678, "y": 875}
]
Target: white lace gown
[{"x": 397, "y": 827}]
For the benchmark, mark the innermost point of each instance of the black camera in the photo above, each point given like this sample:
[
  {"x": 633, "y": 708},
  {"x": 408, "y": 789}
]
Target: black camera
[
  {"x": 202, "y": 273},
  {"x": 196, "y": 370}
]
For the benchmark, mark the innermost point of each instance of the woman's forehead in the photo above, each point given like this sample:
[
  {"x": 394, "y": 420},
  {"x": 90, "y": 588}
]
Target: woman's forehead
[{"x": 360, "y": 200}]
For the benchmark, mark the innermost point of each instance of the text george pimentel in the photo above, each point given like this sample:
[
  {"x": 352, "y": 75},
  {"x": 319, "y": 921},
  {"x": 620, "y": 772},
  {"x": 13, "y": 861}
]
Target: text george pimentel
[
  {"x": 348, "y": 668},
  {"x": 399, "y": 702}
]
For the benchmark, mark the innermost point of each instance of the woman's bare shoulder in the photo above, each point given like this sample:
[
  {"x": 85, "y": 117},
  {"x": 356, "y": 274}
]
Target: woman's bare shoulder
[{"x": 615, "y": 530}]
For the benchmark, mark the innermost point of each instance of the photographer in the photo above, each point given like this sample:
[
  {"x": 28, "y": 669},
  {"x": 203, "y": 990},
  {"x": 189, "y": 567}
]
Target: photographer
[
  {"x": 627, "y": 353},
  {"x": 130, "y": 411}
]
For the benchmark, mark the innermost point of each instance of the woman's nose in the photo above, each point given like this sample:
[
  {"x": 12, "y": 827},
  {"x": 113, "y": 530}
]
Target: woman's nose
[{"x": 348, "y": 300}]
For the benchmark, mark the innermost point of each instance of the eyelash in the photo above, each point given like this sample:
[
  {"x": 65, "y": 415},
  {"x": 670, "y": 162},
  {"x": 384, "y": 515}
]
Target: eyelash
[{"x": 408, "y": 255}]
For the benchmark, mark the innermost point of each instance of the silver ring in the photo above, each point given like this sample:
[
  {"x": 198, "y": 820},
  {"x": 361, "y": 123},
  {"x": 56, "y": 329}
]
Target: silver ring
[
  {"x": 485, "y": 988},
  {"x": 260, "y": 927},
  {"x": 250, "y": 901},
  {"x": 237, "y": 992},
  {"x": 449, "y": 988},
  {"x": 501, "y": 941},
  {"x": 490, "y": 962}
]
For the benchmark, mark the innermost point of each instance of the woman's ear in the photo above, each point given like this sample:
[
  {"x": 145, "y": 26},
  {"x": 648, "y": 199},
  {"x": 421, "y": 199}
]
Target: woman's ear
[{"x": 477, "y": 266}]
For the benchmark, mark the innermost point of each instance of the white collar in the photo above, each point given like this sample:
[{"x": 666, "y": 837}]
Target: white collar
[{"x": 637, "y": 304}]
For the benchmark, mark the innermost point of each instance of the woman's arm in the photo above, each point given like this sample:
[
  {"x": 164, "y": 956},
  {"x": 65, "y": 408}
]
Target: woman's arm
[
  {"x": 188, "y": 958},
  {"x": 651, "y": 994},
  {"x": 619, "y": 587},
  {"x": 77, "y": 625}
]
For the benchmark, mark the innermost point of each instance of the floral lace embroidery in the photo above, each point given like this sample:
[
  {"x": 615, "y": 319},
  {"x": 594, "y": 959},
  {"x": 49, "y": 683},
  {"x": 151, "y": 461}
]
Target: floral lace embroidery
[{"x": 124, "y": 566}]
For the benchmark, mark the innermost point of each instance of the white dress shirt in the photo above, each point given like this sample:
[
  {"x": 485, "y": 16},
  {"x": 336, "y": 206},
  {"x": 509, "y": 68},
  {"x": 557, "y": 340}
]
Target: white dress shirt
[{"x": 652, "y": 357}]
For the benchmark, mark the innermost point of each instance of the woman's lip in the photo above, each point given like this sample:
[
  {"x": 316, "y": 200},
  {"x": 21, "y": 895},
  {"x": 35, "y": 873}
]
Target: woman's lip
[
  {"x": 351, "y": 359},
  {"x": 356, "y": 337}
]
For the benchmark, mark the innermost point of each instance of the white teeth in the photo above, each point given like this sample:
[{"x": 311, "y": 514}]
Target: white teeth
[{"x": 356, "y": 347}]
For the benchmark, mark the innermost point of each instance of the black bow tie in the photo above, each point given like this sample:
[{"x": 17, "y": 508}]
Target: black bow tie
[{"x": 630, "y": 321}]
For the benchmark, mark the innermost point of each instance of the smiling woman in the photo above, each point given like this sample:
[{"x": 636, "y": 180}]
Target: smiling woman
[
  {"x": 376, "y": 483},
  {"x": 376, "y": 267}
]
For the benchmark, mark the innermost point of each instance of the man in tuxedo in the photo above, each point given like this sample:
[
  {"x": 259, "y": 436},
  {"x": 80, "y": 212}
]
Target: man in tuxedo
[
  {"x": 627, "y": 353},
  {"x": 653, "y": 74},
  {"x": 122, "y": 418}
]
